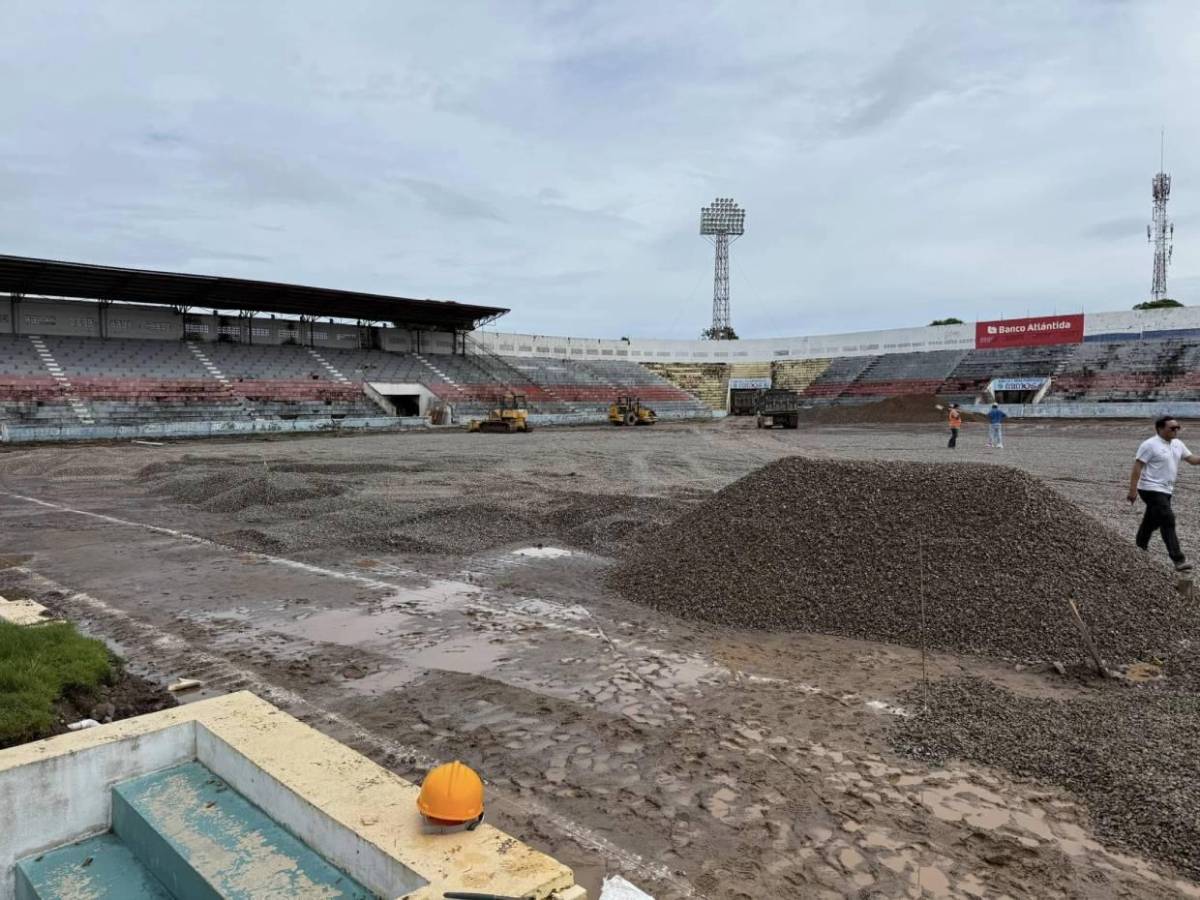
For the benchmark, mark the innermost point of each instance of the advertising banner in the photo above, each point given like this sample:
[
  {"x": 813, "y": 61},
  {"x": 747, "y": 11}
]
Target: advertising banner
[
  {"x": 750, "y": 384},
  {"x": 1016, "y": 384},
  {"x": 1029, "y": 332}
]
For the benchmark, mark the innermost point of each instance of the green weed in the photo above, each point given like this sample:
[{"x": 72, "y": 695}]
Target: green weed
[{"x": 37, "y": 663}]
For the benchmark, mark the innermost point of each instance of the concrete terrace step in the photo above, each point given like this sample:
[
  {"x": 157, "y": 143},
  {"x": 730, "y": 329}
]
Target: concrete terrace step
[
  {"x": 203, "y": 840},
  {"x": 101, "y": 866}
]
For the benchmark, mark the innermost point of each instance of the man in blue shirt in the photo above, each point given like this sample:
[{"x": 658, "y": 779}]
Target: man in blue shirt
[{"x": 996, "y": 417}]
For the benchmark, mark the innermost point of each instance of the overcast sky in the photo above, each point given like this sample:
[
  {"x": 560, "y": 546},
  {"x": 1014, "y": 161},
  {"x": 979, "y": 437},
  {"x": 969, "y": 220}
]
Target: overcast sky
[{"x": 898, "y": 161}]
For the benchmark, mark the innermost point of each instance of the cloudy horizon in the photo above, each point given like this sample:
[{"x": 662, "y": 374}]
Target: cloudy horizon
[{"x": 896, "y": 165}]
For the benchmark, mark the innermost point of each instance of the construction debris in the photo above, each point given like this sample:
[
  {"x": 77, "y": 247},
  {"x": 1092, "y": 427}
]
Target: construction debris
[{"x": 852, "y": 548}]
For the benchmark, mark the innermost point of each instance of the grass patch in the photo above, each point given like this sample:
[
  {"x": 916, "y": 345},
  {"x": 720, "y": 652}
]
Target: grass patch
[{"x": 37, "y": 663}]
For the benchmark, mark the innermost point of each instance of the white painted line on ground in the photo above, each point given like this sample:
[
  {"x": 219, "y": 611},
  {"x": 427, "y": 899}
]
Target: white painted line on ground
[
  {"x": 309, "y": 568},
  {"x": 541, "y": 619}
]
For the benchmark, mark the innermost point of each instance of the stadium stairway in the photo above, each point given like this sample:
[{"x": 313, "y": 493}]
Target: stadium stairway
[{"x": 184, "y": 833}]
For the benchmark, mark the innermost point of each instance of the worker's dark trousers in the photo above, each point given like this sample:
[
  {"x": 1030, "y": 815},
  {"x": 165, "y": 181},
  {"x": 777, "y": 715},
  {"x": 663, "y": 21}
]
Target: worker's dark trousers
[
  {"x": 1159, "y": 516},
  {"x": 953, "y": 438}
]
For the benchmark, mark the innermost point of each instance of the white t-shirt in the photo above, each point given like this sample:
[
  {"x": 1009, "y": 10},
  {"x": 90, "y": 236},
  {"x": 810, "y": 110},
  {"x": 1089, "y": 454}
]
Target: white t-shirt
[{"x": 1162, "y": 463}]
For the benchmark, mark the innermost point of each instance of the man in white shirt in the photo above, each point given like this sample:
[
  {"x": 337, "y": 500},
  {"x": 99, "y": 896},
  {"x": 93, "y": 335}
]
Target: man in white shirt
[{"x": 1153, "y": 479}]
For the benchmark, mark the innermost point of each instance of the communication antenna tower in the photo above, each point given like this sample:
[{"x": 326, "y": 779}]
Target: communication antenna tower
[
  {"x": 722, "y": 222},
  {"x": 1161, "y": 233}
]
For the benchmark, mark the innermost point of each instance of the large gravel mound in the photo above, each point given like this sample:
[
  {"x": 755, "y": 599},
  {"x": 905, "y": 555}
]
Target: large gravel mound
[{"x": 850, "y": 548}]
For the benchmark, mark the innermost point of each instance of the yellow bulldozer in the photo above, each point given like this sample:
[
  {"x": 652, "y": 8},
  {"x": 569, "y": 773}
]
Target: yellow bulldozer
[
  {"x": 626, "y": 410},
  {"x": 511, "y": 415}
]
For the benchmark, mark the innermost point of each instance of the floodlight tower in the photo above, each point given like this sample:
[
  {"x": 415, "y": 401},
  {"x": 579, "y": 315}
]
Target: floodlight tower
[
  {"x": 1162, "y": 232},
  {"x": 723, "y": 222}
]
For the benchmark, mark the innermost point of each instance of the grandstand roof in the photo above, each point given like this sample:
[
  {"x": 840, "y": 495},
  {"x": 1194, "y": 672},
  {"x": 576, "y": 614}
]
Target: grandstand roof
[{"x": 23, "y": 275}]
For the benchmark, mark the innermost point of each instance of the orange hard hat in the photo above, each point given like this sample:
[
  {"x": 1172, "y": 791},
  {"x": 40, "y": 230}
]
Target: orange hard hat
[{"x": 451, "y": 794}]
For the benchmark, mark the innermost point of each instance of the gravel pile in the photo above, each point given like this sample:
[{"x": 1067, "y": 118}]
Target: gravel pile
[
  {"x": 918, "y": 408},
  {"x": 1132, "y": 754},
  {"x": 848, "y": 548},
  {"x": 240, "y": 489},
  {"x": 277, "y": 506},
  {"x": 607, "y": 523}
]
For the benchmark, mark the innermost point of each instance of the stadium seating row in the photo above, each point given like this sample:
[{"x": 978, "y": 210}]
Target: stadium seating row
[
  {"x": 72, "y": 379},
  {"x": 121, "y": 381}
]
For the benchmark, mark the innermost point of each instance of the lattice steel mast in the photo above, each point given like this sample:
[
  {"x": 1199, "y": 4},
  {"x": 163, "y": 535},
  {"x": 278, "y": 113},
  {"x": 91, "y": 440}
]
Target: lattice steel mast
[
  {"x": 723, "y": 222},
  {"x": 1161, "y": 233}
]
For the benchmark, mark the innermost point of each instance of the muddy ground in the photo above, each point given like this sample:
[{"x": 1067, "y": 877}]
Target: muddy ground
[{"x": 410, "y": 595}]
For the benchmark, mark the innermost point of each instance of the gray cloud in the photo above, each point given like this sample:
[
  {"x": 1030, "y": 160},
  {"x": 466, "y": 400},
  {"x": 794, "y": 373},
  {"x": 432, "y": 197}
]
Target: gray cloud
[
  {"x": 1124, "y": 228},
  {"x": 898, "y": 162},
  {"x": 449, "y": 203}
]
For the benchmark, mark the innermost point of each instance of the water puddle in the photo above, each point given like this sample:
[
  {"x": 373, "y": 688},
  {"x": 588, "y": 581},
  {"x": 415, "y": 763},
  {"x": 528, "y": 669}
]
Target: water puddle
[
  {"x": 541, "y": 552},
  {"x": 353, "y": 627},
  {"x": 467, "y": 654},
  {"x": 536, "y": 608},
  {"x": 689, "y": 671},
  {"x": 440, "y": 595}
]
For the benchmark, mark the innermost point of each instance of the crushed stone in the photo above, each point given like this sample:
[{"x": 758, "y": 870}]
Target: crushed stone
[
  {"x": 1132, "y": 754},
  {"x": 986, "y": 555},
  {"x": 281, "y": 506}
]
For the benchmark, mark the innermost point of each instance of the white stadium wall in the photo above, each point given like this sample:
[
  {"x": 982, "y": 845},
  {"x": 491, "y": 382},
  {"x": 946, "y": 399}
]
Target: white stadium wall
[
  {"x": 855, "y": 343},
  {"x": 35, "y": 315},
  {"x": 862, "y": 343}
]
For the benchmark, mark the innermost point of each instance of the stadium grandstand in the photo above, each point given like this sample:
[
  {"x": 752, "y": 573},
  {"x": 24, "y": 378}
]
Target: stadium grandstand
[{"x": 96, "y": 352}]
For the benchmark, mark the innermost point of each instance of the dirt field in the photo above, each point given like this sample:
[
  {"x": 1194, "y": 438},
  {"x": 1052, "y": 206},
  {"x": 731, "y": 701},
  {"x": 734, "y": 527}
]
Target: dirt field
[{"x": 431, "y": 596}]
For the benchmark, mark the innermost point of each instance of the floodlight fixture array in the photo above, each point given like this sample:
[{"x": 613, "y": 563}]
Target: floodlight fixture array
[{"x": 722, "y": 216}]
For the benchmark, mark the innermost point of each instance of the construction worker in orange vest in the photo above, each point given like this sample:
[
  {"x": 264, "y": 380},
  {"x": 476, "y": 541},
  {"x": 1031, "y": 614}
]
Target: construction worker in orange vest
[{"x": 955, "y": 424}]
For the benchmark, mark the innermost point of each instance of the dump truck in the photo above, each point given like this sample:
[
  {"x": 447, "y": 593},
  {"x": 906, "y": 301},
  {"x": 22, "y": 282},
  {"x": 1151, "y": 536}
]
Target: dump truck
[
  {"x": 777, "y": 408},
  {"x": 511, "y": 415},
  {"x": 626, "y": 410}
]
